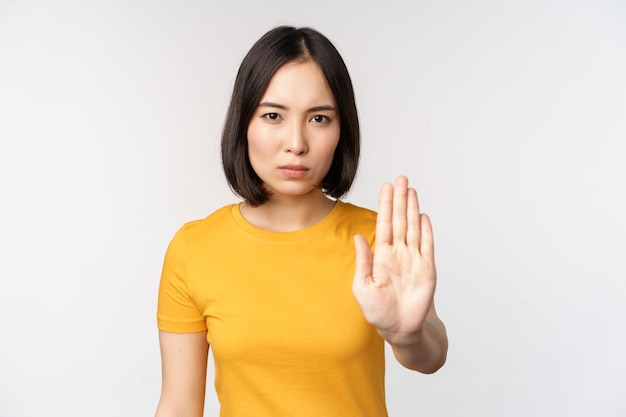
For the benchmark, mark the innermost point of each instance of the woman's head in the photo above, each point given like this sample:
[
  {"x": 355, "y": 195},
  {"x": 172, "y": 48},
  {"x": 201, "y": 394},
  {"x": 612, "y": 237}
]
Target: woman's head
[{"x": 274, "y": 49}]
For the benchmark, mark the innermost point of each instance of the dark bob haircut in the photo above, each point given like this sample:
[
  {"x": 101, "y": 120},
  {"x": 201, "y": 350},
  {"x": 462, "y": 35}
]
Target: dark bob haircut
[{"x": 277, "y": 47}]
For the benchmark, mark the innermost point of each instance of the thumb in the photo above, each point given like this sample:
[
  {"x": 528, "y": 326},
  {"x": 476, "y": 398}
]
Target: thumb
[{"x": 363, "y": 264}]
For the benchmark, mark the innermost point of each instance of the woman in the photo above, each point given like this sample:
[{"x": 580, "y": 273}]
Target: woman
[{"x": 284, "y": 286}]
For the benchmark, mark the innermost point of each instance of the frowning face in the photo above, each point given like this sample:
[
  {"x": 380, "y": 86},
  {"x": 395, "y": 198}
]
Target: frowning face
[{"x": 294, "y": 131}]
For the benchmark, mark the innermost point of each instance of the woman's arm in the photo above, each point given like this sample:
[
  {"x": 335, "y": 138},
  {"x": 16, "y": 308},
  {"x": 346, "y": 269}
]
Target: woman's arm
[
  {"x": 183, "y": 368},
  {"x": 424, "y": 351},
  {"x": 395, "y": 285}
]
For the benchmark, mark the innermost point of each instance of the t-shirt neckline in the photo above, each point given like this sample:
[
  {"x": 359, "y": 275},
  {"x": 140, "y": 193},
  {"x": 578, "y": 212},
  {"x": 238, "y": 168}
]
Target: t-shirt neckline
[{"x": 304, "y": 233}]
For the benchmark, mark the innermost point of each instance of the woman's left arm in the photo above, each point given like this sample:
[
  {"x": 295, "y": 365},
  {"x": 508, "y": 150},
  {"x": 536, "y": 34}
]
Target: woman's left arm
[
  {"x": 395, "y": 285},
  {"x": 425, "y": 350}
]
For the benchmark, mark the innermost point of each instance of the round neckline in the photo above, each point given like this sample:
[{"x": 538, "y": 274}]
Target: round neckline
[{"x": 289, "y": 236}]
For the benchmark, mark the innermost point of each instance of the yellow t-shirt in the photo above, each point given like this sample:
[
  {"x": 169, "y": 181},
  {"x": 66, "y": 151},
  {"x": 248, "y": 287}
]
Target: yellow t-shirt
[{"x": 287, "y": 334}]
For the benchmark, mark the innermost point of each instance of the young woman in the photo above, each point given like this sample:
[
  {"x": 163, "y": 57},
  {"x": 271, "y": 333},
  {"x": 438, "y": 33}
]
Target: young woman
[{"x": 284, "y": 286}]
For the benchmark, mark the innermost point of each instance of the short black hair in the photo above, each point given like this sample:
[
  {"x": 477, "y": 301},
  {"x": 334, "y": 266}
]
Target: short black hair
[{"x": 275, "y": 48}]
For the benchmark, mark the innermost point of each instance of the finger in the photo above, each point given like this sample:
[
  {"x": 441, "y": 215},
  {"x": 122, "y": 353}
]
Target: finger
[
  {"x": 413, "y": 231},
  {"x": 383, "y": 218},
  {"x": 363, "y": 262},
  {"x": 399, "y": 210},
  {"x": 427, "y": 242}
]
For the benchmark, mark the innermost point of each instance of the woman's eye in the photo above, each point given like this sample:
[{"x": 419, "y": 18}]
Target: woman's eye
[
  {"x": 271, "y": 116},
  {"x": 320, "y": 119}
]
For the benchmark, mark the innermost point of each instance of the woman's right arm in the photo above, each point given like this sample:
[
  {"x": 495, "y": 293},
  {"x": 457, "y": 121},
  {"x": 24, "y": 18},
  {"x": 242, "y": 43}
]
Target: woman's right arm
[{"x": 183, "y": 366}]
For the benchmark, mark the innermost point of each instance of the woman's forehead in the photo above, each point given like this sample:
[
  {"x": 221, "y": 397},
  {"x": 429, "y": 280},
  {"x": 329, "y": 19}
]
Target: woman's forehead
[{"x": 299, "y": 84}]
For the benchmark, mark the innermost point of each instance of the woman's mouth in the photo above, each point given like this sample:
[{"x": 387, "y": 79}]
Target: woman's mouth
[{"x": 293, "y": 171}]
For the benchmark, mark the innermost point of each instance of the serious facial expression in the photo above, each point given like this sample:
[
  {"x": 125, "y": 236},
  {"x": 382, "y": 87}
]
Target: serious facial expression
[{"x": 294, "y": 131}]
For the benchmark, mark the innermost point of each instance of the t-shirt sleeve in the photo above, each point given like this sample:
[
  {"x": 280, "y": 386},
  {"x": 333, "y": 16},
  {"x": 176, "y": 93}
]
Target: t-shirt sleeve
[{"x": 176, "y": 310}]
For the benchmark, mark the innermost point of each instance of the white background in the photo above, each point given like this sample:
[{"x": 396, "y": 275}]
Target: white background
[{"x": 509, "y": 117}]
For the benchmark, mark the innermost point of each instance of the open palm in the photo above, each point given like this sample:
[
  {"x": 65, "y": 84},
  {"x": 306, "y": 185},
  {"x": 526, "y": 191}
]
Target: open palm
[{"x": 395, "y": 284}]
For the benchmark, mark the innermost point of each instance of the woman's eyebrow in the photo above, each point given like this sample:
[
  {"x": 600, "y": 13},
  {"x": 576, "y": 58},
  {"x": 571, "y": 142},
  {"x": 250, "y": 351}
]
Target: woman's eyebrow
[
  {"x": 270, "y": 104},
  {"x": 325, "y": 107}
]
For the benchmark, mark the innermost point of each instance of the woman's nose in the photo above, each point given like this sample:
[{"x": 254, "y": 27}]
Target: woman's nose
[{"x": 296, "y": 140}]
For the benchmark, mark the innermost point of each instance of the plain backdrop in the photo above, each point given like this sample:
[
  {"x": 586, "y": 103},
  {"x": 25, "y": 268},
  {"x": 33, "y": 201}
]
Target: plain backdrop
[{"x": 509, "y": 117}]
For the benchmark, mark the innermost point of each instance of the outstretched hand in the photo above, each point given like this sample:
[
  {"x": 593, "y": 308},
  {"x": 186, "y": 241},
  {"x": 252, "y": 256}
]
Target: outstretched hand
[{"x": 395, "y": 284}]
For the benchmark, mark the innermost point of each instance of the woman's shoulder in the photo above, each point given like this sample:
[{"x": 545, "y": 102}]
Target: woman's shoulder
[
  {"x": 358, "y": 219},
  {"x": 358, "y": 212},
  {"x": 213, "y": 223}
]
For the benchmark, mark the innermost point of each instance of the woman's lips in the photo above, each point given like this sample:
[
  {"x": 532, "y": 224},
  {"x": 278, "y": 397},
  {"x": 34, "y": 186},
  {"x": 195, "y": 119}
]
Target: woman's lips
[{"x": 293, "y": 171}]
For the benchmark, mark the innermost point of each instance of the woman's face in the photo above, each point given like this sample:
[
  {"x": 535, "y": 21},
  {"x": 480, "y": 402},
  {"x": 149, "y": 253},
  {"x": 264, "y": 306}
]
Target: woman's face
[{"x": 294, "y": 131}]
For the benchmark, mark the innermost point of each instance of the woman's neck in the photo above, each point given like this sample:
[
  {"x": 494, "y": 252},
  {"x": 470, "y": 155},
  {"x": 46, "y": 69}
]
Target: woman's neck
[{"x": 288, "y": 214}]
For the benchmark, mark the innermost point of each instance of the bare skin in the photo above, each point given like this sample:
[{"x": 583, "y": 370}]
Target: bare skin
[
  {"x": 292, "y": 138},
  {"x": 395, "y": 285},
  {"x": 183, "y": 367}
]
